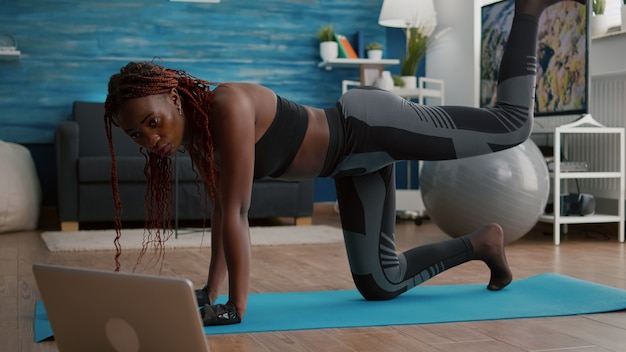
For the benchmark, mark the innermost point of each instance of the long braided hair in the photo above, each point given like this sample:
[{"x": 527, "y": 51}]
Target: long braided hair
[{"x": 136, "y": 80}]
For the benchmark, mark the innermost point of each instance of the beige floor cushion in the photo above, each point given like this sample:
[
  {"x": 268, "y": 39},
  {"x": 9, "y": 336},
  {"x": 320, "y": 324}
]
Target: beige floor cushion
[{"x": 20, "y": 191}]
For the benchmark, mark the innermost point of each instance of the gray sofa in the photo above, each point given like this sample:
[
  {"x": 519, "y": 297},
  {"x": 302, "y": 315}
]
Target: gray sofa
[{"x": 84, "y": 185}]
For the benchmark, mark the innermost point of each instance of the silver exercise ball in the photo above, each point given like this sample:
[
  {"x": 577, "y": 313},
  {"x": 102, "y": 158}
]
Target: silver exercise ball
[{"x": 509, "y": 187}]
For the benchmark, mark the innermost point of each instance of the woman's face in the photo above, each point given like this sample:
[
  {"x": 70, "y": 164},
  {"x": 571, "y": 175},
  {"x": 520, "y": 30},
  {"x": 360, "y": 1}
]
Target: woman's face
[{"x": 155, "y": 122}]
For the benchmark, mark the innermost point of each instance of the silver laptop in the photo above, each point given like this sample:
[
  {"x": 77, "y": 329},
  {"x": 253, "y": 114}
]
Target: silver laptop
[{"x": 93, "y": 310}]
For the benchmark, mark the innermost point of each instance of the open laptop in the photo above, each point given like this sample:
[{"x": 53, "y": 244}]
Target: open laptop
[{"x": 93, "y": 310}]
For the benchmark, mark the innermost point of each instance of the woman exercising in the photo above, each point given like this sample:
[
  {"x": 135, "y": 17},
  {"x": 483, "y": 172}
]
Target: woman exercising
[{"x": 239, "y": 132}]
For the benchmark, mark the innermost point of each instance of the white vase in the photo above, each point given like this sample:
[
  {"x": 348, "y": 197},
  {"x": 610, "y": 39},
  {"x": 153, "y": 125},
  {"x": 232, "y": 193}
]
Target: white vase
[
  {"x": 410, "y": 82},
  {"x": 599, "y": 25},
  {"x": 385, "y": 81},
  {"x": 375, "y": 54},
  {"x": 329, "y": 50}
]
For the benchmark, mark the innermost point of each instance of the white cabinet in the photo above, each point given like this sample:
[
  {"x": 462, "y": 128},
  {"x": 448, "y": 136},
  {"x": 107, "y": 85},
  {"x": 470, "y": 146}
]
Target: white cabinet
[{"x": 584, "y": 125}]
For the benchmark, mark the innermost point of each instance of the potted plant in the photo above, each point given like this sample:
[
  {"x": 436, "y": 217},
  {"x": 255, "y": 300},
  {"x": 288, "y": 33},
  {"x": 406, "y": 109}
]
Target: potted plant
[
  {"x": 416, "y": 46},
  {"x": 374, "y": 51},
  {"x": 329, "y": 48},
  {"x": 599, "y": 23},
  {"x": 599, "y": 6},
  {"x": 397, "y": 81}
]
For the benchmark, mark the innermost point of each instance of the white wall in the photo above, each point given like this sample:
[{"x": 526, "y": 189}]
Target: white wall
[
  {"x": 608, "y": 55},
  {"x": 453, "y": 57}
]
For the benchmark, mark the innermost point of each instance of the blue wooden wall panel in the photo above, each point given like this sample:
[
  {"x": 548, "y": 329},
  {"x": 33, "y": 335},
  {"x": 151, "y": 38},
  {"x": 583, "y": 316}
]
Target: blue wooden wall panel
[{"x": 70, "y": 49}]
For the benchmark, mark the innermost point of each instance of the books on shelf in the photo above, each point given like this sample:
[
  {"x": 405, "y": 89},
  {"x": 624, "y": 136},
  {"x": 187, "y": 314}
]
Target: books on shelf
[
  {"x": 359, "y": 43},
  {"x": 345, "y": 48}
]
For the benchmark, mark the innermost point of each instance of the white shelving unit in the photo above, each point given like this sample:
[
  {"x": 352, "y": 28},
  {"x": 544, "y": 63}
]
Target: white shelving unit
[
  {"x": 8, "y": 47},
  {"x": 369, "y": 69},
  {"x": 9, "y": 55},
  {"x": 424, "y": 90},
  {"x": 420, "y": 93},
  {"x": 408, "y": 201},
  {"x": 585, "y": 125},
  {"x": 351, "y": 63}
]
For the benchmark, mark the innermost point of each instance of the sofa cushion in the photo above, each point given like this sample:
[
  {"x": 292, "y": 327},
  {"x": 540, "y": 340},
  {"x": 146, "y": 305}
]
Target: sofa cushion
[
  {"x": 129, "y": 168},
  {"x": 84, "y": 172},
  {"x": 97, "y": 169},
  {"x": 93, "y": 140},
  {"x": 20, "y": 191}
]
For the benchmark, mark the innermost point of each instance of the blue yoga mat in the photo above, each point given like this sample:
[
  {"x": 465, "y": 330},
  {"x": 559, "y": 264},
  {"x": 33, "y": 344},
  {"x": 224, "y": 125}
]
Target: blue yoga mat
[{"x": 538, "y": 296}]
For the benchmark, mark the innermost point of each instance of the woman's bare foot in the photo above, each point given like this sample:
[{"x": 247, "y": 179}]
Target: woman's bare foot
[
  {"x": 536, "y": 7},
  {"x": 488, "y": 243}
]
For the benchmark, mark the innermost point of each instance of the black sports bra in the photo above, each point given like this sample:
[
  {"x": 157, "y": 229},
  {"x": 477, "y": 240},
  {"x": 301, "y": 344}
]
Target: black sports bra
[{"x": 276, "y": 149}]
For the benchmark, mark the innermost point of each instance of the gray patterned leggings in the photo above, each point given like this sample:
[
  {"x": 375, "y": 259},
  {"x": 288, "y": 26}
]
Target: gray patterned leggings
[{"x": 371, "y": 128}]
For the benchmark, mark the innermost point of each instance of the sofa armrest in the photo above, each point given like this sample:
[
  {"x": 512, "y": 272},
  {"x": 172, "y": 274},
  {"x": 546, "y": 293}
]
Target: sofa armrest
[{"x": 66, "y": 149}]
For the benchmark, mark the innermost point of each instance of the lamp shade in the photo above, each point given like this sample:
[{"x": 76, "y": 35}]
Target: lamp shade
[{"x": 407, "y": 13}]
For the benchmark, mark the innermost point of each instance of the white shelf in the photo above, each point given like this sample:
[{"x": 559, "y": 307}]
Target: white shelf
[
  {"x": 351, "y": 63},
  {"x": 9, "y": 54},
  {"x": 587, "y": 219},
  {"x": 420, "y": 92},
  {"x": 589, "y": 130},
  {"x": 585, "y": 125},
  {"x": 587, "y": 174},
  {"x": 411, "y": 93}
]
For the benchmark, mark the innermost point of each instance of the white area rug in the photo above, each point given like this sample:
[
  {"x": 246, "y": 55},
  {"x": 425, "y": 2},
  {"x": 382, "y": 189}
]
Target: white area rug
[{"x": 102, "y": 240}]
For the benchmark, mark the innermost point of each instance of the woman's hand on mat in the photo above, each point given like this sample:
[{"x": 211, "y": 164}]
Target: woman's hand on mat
[
  {"x": 202, "y": 296},
  {"x": 219, "y": 314}
]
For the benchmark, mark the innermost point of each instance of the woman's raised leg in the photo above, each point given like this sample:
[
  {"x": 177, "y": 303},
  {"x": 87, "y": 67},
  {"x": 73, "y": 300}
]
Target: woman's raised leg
[{"x": 367, "y": 200}]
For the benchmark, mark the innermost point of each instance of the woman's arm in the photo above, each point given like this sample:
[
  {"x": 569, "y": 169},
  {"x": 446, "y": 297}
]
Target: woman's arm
[
  {"x": 234, "y": 133},
  {"x": 217, "y": 268}
]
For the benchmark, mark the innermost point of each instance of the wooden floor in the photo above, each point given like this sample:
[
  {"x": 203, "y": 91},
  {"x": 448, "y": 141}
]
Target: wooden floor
[{"x": 591, "y": 253}]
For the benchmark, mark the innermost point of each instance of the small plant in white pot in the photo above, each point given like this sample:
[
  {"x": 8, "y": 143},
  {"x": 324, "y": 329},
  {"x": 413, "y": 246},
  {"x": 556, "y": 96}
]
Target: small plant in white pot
[
  {"x": 398, "y": 81},
  {"x": 374, "y": 51},
  {"x": 329, "y": 48},
  {"x": 417, "y": 44}
]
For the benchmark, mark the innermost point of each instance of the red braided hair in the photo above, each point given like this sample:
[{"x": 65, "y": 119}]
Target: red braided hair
[{"x": 136, "y": 80}]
